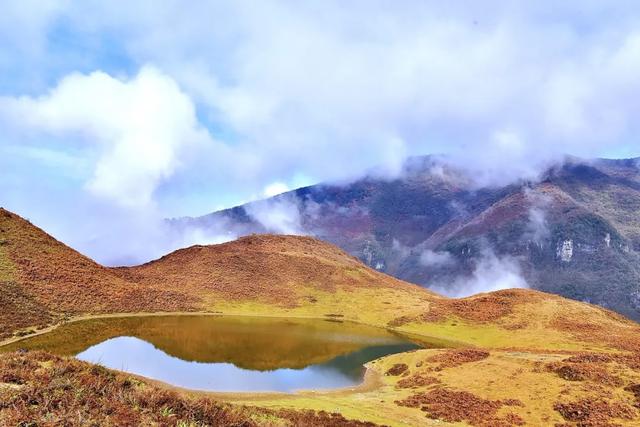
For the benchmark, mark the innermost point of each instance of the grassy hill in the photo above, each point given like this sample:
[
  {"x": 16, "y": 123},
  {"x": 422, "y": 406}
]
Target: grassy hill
[
  {"x": 44, "y": 281},
  {"x": 589, "y": 207},
  {"x": 525, "y": 356}
]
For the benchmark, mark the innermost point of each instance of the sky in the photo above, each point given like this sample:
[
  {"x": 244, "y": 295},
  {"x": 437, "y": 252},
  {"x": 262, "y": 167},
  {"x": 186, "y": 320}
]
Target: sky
[{"x": 118, "y": 114}]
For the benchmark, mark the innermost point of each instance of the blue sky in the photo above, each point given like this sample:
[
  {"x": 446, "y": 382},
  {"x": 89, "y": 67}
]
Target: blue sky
[{"x": 118, "y": 112}]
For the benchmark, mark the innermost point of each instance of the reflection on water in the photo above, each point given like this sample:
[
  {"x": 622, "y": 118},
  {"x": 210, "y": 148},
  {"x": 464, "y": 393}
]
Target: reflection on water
[
  {"x": 137, "y": 356},
  {"x": 226, "y": 353}
]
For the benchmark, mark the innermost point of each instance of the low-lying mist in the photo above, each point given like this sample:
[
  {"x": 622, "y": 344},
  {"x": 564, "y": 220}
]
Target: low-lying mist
[
  {"x": 117, "y": 235},
  {"x": 490, "y": 273},
  {"x": 104, "y": 139}
]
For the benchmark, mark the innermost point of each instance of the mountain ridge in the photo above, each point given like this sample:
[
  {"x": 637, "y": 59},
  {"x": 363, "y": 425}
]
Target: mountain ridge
[
  {"x": 45, "y": 281},
  {"x": 270, "y": 274},
  {"x": 574, "y": 232},
  {"x": 550, "y": 355}
]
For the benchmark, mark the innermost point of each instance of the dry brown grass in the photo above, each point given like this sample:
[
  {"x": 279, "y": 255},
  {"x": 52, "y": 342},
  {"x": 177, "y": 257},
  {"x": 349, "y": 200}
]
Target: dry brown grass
[
  {"x": 58, "y": 391},
  {"x": 417, "y": 380},
  {"x": 595, "y": 412},
  {"x": 584, "y": 371},
  {"x": 397, "y": 369},
  {"x": 635, "y": 390},
  {"x": 263, "y": 268},
  {"x": 457, "y": 406},
  {"x": 600, "y": 372},
  {"x": 43, "y": 281},
  {"x": 610, "y": 329},
  {"x": 515, "y": 387},
  {"x": 319, "y": 418},
  {"x": 453, "y": 358},
  {"x": 483, "y": 308},
  {"x": 49, "y": 280}
]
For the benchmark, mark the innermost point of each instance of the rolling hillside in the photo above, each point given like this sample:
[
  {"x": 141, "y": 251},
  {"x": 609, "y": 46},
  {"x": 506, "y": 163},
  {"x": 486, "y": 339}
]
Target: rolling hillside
[
  {"x": 556, "y": 361},
  {"x": 44, "y": 281},
  {"x": 575, "y": 232}
]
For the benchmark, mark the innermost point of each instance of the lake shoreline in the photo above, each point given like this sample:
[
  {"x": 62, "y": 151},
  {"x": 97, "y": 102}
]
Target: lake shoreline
[
  {"x": 371, "y": 379},
  {"x": 81, "y": 318}
]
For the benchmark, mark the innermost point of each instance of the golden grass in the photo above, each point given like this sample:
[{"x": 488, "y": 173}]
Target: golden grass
[
  {"x": 521, "y": 382},
  {"x": 525, "y": 332},
  {"x": 7, "y": 268},
  {"x": 41, "y": 389}
]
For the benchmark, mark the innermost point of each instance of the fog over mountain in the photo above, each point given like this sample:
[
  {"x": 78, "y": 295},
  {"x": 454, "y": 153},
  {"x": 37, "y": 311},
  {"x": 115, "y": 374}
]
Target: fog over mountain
[
  {"x": 573, "y": 231},
  {"x": 116, "y": 116}
]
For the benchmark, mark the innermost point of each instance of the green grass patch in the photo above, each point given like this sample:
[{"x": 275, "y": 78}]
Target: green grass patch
[{"x": 7, "y": 267}]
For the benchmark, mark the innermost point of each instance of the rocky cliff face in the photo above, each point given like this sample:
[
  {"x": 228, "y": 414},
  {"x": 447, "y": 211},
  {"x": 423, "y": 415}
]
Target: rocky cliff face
[{"x": 575, "y": 232}]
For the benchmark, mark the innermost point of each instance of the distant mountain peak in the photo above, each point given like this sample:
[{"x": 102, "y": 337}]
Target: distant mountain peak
[{"x": 434, "y": 206}]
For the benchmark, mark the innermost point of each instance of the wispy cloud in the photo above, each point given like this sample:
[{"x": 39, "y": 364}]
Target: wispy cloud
[
  {"x": 537, "y": 229},
  {"x": 280, "y": 215},
  {"x": 189, "y": 109},
  {"x": 429, "y": 258},
  {"x": 136, "y": 128},
  {"x": 490, "y": 273}
]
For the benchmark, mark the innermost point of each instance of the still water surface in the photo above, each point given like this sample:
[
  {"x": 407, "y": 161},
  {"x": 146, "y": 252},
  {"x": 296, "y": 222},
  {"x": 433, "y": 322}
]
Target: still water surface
[{"x": 226, "y": 353}]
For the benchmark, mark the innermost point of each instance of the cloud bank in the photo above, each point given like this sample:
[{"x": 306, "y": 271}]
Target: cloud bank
[
  {"x": 280, "y": 215},
  {"x": 138, "y": 127},
  {"x": 490, "y": 273},
  {"x": 167, "y": 110}
]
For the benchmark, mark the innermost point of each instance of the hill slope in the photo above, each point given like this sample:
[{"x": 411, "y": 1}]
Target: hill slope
[
  {"x": 44, "y": 281},
  {"x": 575, "y": 232},
  {"x": 269, "y": 268},
  {"x": 556, "y": 361}
]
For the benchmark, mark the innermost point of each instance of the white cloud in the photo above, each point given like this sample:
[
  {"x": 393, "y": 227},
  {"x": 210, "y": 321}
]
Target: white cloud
[
  {"x": 122, "y": 138},
  {"x": 429, "y": 258},
  {"x": 538, "y": 228},
  {"x": 332, "y": 89},
  {"x": 399, "y": 250},
  {"x": 274, "y": 189},
  {"x": 278, "y": 215},
  {"x": 292, "y": 92},
  {"x": 490, "y": 273},
  {"x": 139, "y": 127},
  {"x": 328, "y": 90}
]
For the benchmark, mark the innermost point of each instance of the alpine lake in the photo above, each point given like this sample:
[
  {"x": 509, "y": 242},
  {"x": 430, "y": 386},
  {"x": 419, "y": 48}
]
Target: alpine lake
[{"x": 227, "y": 353}]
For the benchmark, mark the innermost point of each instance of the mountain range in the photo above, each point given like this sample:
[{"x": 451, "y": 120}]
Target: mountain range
[{"x": 574, "y": 231}]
